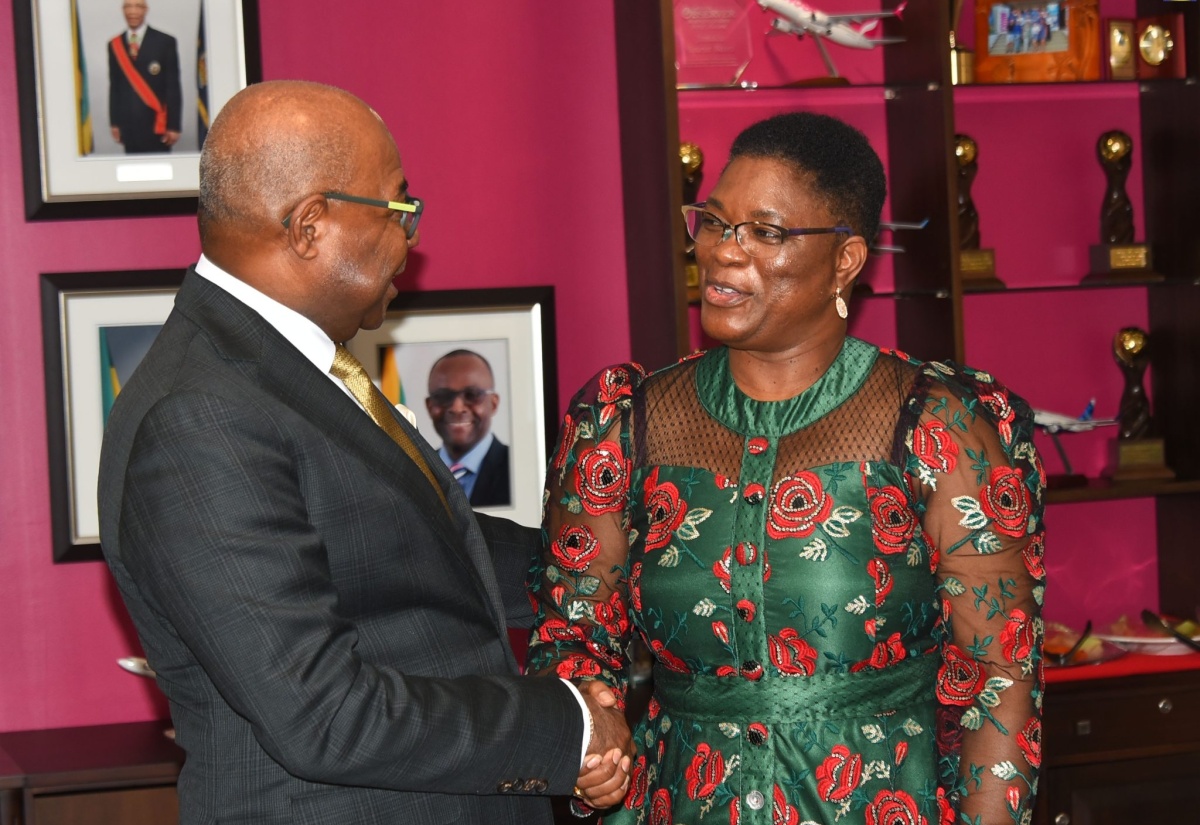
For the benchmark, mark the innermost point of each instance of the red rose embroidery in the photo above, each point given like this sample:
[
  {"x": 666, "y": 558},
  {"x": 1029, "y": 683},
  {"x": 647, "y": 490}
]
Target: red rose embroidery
[
  {"x": 614, "y": 384},
  {"x": 949, "y": 730},
  {"x": 892, "y": 521},
  {"x": 1012, "y": 795},
  {"x": 1006, "y": 501},
  {"x": 603, "y": 479},
  {"x": 726, "y": 670},
  {"x": 612, "y": 615},
  {"x": 791, "y": 654},
  {"x": 575, "y": 547},
  {"x": 721, "y": 569},
  {"x": 901, "y": 753},
  {"x": 638, "y": 783},
  {"x": 635, "y": 586},
  {"x": 960, "y": 678},
  {"x": 667, "y": 659},
  {"x": 706, "y": 772},
  {"x": 1032, "y": 554},
  {"x": 893, "y": 808},
  {"x": 735, "y": 811},
  {"x": 559, "y": 630},
  {"x": 660, "y": 808},
  {"x": 839, "y": 774},
  {"x": 576, "y": 667},
  {"x": 798, "y": 505},
  {"x": 882, "y": 574},
  {"x": 933, "y": 447},
  {"x": 1017, "y": 637},
  {"x": 1030, "y": 741},
  {"x": 997, "y": 402},
  {"x": 665, "y": 509},
  {"x": 885, "y": 653},
  {"x": 721, "y": 632},
  {"x": 782, "y": 813},
  {"x": 746, "y": 609},
  {"x": 566, "y": 440},
  {"x": 946, "y": 814}
]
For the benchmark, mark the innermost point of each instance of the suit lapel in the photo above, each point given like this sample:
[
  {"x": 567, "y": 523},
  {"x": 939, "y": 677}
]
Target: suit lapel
[{"x": 242, "y": 335}]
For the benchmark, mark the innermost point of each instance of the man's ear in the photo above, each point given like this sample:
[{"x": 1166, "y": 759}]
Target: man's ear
[{"x": 308, "y": 226}]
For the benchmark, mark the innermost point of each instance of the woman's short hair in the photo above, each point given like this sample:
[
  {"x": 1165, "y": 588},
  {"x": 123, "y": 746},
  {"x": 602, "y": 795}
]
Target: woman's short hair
[{"x": 836, "y": 158}]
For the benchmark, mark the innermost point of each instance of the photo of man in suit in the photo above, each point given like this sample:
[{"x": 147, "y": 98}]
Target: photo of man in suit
[
  {"x": 324, "y": 611},
  {"x": 462, "y": 402},
  {"x": 145, "y": 95}
]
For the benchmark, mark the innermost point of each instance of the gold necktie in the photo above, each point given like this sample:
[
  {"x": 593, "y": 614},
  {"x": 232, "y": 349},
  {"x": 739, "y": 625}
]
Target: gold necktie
[
  {"x": 353, "y": 375},
  {"x": 133, "y": 45}
]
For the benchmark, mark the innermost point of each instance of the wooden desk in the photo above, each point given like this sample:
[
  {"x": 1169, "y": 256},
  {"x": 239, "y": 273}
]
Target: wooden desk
[{"x": 89, "y": 776}]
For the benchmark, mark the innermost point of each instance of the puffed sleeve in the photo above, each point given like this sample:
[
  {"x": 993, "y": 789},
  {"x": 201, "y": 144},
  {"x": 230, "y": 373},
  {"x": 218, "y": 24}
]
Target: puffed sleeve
[
  {"x": 580, "y": 585},
  {"x": 978, "y": 476}
]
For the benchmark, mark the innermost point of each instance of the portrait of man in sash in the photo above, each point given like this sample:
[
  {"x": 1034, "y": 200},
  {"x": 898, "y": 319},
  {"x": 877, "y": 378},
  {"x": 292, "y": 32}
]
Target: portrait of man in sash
[{"x": 145, "y": 94}]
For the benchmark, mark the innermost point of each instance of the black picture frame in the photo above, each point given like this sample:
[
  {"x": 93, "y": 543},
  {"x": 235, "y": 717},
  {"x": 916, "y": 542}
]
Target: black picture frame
[
  {"x": 60, "y": 182},
  {"x": 74, "y": 306},
  {"x": 438, "y": 321}
]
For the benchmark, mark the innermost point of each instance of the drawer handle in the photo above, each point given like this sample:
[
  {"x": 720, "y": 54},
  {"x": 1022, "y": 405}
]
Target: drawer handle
[
  {"x": 1062, "y": 819},
  {"x": 1165, "y": 706}
]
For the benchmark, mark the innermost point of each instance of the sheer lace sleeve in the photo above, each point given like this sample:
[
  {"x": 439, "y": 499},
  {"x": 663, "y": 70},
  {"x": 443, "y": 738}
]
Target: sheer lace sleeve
[
  {"x": 981, "y": 484},
  {"x": 580, "y": 585}
]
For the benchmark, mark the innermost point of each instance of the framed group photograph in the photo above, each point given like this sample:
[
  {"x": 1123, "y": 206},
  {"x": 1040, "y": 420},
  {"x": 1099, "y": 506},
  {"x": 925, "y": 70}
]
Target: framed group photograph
[
  {"x": 96, "y": 328},
  {"x": 1037, "y": 41},
  {"x": 434, "y": 352},
  {"x": 116, "y": 96}
]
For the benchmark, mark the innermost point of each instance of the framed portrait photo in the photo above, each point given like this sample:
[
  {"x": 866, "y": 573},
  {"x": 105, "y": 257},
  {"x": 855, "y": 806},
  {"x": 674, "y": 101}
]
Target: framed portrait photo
[
  {"x": 435, "y": 353},
  {"x": 96, "y": 328},
  {"x": 1037, "y": 41},
  {"x": 115, "y": 98}
]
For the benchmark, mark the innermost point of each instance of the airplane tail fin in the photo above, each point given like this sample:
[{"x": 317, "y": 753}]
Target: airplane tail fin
[{"x": 899, "y": 10}]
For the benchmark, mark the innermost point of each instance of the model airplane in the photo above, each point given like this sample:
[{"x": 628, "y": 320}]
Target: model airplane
[
  {"x": 795, "y": 17},
  {"x": 1059, "y": 423}
]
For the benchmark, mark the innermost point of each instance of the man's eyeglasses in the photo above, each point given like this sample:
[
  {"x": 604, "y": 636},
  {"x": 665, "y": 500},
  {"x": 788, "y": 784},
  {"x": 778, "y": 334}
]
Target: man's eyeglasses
[
  {"x": 410, "y": 209},
  {"x": 447, "y": 397},
  {"x": 758, "y": 240}
]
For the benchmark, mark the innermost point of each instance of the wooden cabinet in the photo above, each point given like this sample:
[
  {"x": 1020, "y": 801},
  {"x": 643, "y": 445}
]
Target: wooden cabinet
[
  {"x": 98, "y": 775},
  {"x": 1121, "y": 750}
]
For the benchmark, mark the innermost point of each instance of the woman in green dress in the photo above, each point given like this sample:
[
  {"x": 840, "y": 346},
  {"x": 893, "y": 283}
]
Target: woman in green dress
[{"x": 833, "y": 551}]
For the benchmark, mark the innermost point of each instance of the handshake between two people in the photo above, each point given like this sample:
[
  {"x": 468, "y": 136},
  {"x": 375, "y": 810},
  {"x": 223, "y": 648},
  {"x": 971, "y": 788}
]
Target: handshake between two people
[{"x": 604, "y": 777}]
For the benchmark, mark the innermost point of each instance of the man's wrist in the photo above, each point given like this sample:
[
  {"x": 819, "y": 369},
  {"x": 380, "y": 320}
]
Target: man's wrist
[{"x": 588, "y": 725}]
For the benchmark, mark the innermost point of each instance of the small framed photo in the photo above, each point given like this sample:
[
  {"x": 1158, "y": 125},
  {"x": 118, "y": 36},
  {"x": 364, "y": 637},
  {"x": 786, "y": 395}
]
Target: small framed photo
[
  {"x": 115, "y": 99},
  {"x": 436, "y": 353},
  {"x": 1036, "y": 41},
  {"x": 96, "y": 328}
]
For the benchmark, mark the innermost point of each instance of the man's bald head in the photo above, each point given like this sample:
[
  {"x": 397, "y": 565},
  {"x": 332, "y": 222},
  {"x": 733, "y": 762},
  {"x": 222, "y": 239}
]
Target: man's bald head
[{"x": 273, "y": 144}]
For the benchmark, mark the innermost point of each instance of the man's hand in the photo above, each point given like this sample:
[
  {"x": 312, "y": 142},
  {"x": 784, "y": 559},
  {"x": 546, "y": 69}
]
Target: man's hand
[
  {"x": 604, "y": 778},
  {"x": 170, "y": 138},
  {"x": 116, "y": 133}
]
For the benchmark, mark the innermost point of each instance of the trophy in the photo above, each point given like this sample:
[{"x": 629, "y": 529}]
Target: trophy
[
  {"x": 1117, "y": 255},
  {"x": 978, "y": 266},
  {"x": 691, "y": 158},
  {"x": 962, "y": 61},
  {"x": 1137, "y": 451}
]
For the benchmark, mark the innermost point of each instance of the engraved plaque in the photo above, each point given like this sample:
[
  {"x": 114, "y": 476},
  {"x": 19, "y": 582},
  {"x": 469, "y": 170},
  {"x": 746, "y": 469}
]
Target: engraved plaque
[{"x": 712, "y": 42}]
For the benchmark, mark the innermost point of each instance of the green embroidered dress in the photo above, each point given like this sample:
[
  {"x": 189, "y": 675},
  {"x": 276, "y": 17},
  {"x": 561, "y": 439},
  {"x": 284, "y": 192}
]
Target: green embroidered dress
[{"x": 841, "y": 591}]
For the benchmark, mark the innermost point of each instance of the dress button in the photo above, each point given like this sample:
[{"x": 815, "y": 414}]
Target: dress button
[
  {"x": 755, "y": 801},
  {"x": 752, "y": 670},
  {"x": 746, "y": 553},
  {"x": 754, "y": 494}
]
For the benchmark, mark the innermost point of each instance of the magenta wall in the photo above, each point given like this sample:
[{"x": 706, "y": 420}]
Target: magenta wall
[{"x": 506, "y": 118}]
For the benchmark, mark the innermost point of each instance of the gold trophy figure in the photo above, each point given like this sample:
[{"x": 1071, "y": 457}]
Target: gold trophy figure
[
  {"x": 1117, "y": 255},
  {"x": 978, "y": 266},
  {"x": 1138, "y": 453},
  {"x": 691, "y": 159}
]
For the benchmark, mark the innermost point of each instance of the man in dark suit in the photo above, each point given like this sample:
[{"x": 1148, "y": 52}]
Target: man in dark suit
[
  {"x": 325, "y": 613},
  {"x": 145, "y": 97},
  {"x": 462, "y": 402}
]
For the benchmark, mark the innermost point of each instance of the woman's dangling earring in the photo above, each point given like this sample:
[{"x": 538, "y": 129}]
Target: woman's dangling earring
[{"x": 839, "y": 304}]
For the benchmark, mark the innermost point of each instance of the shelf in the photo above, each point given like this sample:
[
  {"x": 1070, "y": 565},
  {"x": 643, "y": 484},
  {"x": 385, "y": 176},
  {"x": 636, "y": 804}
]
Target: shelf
[
  {"x": 1090, "y": 283},
  {"x": 990, "y": 93},
  {"x": 1101, "y": 489}
]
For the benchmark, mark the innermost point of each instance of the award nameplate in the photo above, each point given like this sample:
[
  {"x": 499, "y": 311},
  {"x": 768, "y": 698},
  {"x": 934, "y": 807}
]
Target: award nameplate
[
  {"x": 1158, "y": 44},
  {"x": 1119, "y": 50},
  {"x": 712, "y": 42}
]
